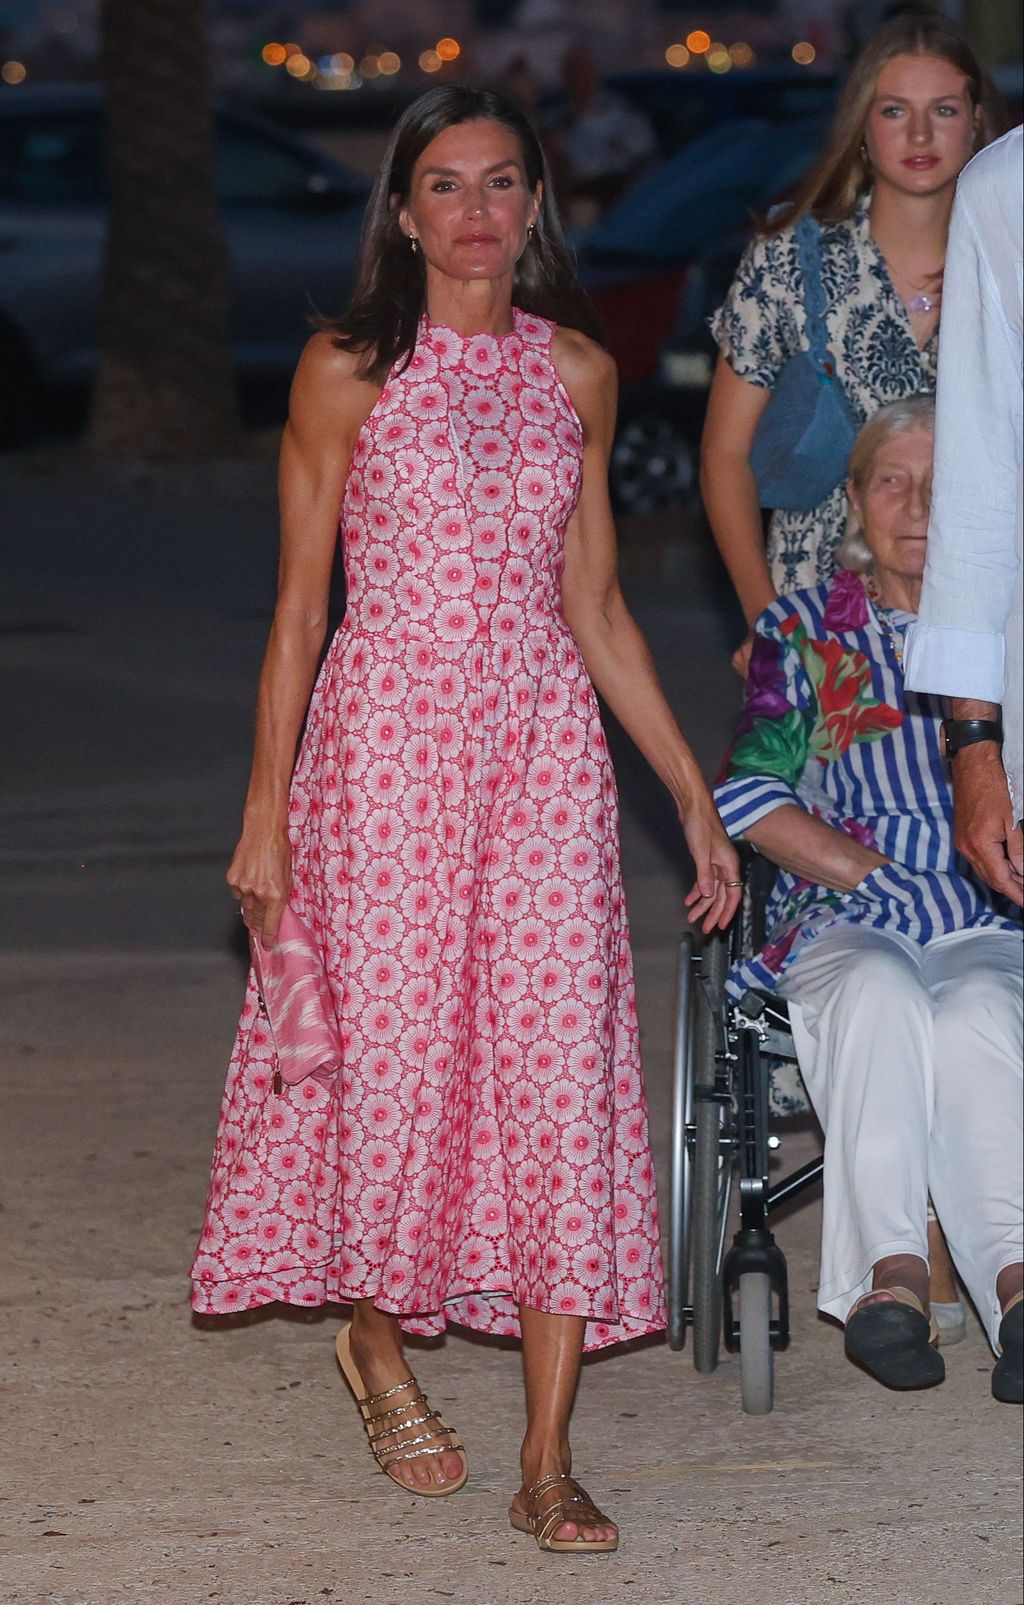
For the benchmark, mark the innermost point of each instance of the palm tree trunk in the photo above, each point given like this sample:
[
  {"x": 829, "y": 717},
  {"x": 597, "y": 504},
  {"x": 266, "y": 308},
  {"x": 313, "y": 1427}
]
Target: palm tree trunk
[{"x": 165, "y": 385}]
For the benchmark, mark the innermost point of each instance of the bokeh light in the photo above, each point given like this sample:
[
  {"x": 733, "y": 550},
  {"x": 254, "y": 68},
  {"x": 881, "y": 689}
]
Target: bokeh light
[
  {"x": 342, "y": 62},
  {"x": 13, "y": 72},
  {"x": 369, "y": 67},
  {"x": 448, "y": 49},
  {"x": 299, "y": 66},
  {"x": 274, "y": 55},
  {"x": 803, "y": 53},
  {"x": 677, "y": 55},
  {"x": 389, "y": 62},
  {"x": 430, "y": 61},
  {"x": 718, "y": 58},
  {"x": 698, "y": 42},
  {"x": 742, "y": 55}
]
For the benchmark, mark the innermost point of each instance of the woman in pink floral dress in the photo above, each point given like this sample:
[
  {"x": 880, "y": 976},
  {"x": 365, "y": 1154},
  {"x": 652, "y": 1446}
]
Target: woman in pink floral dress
[{"x": 448, "y": 832}]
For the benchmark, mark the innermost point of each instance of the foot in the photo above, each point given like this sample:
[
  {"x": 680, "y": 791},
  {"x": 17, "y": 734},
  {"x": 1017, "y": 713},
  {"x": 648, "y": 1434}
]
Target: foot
[
  {"x": 1008, "y": 1376},
  {"x": 889, "y": 1336},
  {"x": 382, "y": 1367},
  {"x": 567, "y": 1531},
  {"x": 900, "y": 1270}
]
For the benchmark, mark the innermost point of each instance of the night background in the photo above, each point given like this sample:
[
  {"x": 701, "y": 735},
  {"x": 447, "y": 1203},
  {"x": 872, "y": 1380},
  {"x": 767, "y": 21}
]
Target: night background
[{"x": 181, "y": 188}]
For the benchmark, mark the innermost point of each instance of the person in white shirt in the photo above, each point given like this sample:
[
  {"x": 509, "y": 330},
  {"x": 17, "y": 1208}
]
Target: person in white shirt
[{"x": 967, "y": 643}]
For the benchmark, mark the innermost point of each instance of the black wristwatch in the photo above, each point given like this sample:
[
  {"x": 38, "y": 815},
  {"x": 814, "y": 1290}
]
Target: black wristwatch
[{"x": 960, "y": 733}]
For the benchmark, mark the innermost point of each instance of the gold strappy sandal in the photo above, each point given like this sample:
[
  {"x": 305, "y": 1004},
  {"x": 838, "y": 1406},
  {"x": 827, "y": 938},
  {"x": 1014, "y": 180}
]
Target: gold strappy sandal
[
  {"x": 575, "y": 1506},
  {"x": 392, "y": 1433}
]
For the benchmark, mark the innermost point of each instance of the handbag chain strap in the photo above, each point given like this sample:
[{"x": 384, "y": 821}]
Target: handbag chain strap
[{"x": 807, "y": 236}]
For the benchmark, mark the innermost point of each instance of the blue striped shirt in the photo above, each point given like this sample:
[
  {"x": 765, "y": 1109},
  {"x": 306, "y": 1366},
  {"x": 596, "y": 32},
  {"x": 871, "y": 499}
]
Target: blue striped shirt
[{"x": 828, "y": 726}]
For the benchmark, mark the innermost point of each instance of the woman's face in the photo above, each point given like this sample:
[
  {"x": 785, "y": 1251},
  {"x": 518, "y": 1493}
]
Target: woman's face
[
  {"x": 469, "y": 204},
  {"x": 921, "y": 128},
  {"x": 894, "y": 505}
]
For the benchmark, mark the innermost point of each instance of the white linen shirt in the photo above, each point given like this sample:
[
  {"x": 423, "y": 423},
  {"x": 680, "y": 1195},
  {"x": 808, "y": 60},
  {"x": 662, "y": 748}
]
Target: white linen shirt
[{"x": 967, "y": 641}]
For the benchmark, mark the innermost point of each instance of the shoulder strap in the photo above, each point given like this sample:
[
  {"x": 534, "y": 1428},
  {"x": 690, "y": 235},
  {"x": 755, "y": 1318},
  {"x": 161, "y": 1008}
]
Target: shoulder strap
[{"x": 807, "y": 236}]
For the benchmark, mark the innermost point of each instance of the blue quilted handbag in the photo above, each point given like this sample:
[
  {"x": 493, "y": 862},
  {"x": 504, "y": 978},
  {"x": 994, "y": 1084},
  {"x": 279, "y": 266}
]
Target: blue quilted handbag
[{"x": 801, "y": 447}]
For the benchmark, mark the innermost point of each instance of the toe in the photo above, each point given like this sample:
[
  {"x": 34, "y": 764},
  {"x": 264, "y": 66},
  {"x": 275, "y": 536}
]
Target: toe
[{"x": 451, "y": 1466}]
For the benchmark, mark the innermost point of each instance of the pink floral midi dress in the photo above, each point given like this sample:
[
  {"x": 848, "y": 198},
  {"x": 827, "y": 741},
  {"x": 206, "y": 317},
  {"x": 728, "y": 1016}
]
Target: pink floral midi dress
[{"x": 454, "y": 829}]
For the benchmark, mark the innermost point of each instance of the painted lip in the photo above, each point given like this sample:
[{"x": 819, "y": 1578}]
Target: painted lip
[
  {"x": 476, "y": 239},
  {"x": 921, "y": 163}
]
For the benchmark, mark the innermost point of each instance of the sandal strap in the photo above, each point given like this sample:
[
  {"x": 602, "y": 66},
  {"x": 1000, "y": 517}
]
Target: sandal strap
[
  {"x": 387, "y": 1457},
  {"x": 576, "y": 1506},
  {"x": 403, "y": 1447},
  {"x": 401, "y": 1426},
  {"x": 399, "y": 1409},
  {"x": 896, "y": 1295},
  {"x": 389, "y": 1393}
]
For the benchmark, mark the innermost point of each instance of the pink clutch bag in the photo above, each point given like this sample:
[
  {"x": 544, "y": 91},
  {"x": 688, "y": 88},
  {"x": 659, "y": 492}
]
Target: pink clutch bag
[{"x": 296, "y": 1000}]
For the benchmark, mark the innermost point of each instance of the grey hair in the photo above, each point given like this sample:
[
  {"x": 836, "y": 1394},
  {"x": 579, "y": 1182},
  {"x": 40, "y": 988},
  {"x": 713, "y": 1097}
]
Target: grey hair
[{"x": 899, "y": 417}]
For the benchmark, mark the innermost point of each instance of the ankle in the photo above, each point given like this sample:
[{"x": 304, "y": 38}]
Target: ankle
[
  {"x": 902, "y": 1270},
  {"x": 1009, "y": 1283},
  {"x": 543, "y": 1458},
  {"x": 377, "y": 1335}
]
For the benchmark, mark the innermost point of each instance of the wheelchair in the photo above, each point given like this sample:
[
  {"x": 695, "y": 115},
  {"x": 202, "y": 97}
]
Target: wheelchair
[{"x": 721, "y": 1141}]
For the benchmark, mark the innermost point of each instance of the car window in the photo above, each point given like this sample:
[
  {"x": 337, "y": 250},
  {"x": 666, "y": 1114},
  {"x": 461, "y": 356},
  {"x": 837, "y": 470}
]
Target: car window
[
  {"x": 52, "y": 159},
  {"x": 253, "y": 171}
]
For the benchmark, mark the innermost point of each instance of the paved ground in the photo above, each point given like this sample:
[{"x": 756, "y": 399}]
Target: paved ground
[{"x": 151, "y": 1458}]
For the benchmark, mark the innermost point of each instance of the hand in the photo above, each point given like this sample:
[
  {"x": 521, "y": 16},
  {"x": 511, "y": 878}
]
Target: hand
[
  {"x": 713, "y": 901},
  {"x": 984, "y": 827},
  {"x": 260, "y": 877},
  {"x": 740, "y": 659}
]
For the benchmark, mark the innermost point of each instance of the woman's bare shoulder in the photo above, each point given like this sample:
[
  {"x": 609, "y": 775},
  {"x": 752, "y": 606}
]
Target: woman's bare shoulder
[
  {"x": 591, "y": 381},
  {"x": 330, "y": 383},
  {"x": 580, "y": 360}
]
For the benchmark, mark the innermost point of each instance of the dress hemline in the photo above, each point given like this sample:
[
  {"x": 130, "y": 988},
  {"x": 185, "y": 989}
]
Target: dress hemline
[{"x": 496, "y": 1318}]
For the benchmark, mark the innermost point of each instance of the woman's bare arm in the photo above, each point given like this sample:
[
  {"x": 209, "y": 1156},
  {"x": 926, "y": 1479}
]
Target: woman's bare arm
[
  {"x": 817, "y": 852},
  {"x": 729, "y": 488},
  {"x": 328, "y": 404},
  {"x": 612, "y": 647}
]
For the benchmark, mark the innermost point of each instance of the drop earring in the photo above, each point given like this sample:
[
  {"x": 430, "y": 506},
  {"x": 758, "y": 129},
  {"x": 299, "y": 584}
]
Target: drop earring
[{"x": 414, "y": 244}]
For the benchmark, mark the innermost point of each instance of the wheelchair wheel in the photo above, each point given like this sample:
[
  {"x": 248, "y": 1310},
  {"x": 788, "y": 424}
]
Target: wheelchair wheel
[
  {"x": 712, "y": 1162},
  {"x": 757, "y": 1371},
  {"x": 680, "y": 1212}
]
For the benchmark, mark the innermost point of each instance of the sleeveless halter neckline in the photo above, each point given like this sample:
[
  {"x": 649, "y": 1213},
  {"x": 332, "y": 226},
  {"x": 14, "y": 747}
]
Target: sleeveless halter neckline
[{"x": 524, "y": 324}]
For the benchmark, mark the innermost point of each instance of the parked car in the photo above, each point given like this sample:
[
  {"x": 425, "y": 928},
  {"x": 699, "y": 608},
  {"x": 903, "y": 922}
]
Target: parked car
[
  {"x": 291, "y": 218},
  {"x": 657, "y": 265},
  {"x": 684, "y": 106}
]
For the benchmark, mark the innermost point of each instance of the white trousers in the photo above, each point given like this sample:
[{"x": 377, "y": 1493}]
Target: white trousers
[{"x": 911, "y": 1057}]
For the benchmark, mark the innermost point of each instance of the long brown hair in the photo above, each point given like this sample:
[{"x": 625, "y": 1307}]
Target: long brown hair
[
  {"x": 831, "y": 191},
  {"x": 388, "y": 300}
]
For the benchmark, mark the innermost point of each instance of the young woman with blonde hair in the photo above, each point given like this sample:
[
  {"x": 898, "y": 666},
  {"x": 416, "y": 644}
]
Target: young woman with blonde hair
[{"x": 916, "y": 107}]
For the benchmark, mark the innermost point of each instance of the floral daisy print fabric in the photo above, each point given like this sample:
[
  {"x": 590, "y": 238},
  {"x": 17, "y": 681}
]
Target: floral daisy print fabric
[{"x": 454, "y": 828}]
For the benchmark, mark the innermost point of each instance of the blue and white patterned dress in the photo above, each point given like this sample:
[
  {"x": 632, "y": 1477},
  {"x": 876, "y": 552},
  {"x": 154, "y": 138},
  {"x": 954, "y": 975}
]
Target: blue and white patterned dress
[
  {"x": 761, "y": 324},
  {"x": 827, "y": 726}
]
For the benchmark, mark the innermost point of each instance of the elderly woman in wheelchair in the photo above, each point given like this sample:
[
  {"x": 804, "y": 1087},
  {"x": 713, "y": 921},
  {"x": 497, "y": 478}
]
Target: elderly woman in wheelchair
[{"x": 901, "y": 971}]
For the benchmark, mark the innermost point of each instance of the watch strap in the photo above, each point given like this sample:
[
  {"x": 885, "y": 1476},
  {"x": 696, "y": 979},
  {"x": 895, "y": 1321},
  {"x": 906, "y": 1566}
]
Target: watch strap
[{"x": 960, "y": 733}]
